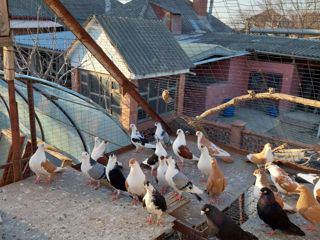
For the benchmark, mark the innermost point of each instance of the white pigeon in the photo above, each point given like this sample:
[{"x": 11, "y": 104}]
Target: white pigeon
[
  {"x": 41, "y": 166},
  {"x": 99, "y": 151},
  {"x": 213, "y": 149},
  {"x": 96, "y": 144},
  {"x": 115, "y": 176},
  {"x": 135, "y": 181},
  {"x": 161, "y": 134},
  {"x": 94, "y": 170},
  {"x": 161, "y": 175},
  {"x": 152, "y": 161},
  {"x": 180, "y": 182},
  {"x": 204, "y": 164},
  {"x": 180, "y": 148},
  {"x": 138, "y": 140},
  {"x": 154, "y": 202}
]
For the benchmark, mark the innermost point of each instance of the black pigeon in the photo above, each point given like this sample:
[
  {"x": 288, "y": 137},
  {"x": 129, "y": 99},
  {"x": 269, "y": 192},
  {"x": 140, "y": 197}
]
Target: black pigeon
[
  {"x": 222, "y": 226},
  {"x": 115, "y": 176},
  {"x": 273, "y": 215}
]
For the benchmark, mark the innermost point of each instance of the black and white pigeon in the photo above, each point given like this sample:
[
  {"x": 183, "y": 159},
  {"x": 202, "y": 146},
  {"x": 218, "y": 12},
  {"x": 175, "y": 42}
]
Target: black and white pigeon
[
  {"x": 222, "y": 226},
  {"x": 272, "y": 214},
  {"x": 154, "y": 202},
  {"x": 115, "y": 176},
  {"x": 94, "y": 170},
  {"x": 138, "y": 140},
  {"x": 162, "y": 135},
  {"x": 152, "y": 161},
  {"x": 180, "y": 182},
  {"x": 161, "y": 175},
  {"x": 180, "y": 148}
]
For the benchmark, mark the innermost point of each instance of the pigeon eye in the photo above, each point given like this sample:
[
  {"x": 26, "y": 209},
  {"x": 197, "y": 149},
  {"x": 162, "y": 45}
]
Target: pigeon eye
[{"x": 207, "y": 210}]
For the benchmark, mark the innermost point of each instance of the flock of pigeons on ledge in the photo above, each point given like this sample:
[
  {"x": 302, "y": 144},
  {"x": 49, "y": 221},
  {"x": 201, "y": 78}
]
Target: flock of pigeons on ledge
[{"x": 271, "y": 206}]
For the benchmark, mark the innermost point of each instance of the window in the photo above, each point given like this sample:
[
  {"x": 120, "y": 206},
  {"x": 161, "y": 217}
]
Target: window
[
  {"x": 103, "y": 90},
  {"x": 151, "y": 91}
]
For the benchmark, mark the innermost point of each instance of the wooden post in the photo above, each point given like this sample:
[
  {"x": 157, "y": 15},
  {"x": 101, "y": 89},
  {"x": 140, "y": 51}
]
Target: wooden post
[
  {"x": 32, "y": 120},
  {"x": 128, "y": 87},
  {"x": 8, "y": 62}
]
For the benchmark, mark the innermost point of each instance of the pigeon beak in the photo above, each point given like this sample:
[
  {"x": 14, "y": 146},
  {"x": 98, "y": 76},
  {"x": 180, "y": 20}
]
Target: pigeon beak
[{"x": 202, "y": 212}]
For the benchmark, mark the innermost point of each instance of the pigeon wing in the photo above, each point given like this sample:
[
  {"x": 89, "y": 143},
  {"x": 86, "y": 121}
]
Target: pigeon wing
[
  {"x": 159, "y": 201},
  {"x": 117, "y": 179},
  {"x": 97, "y": 171},
  {"x": 184, "y": 152},
  {"x": 180, "y": 180},
  {"x": 48, "y": 166}
]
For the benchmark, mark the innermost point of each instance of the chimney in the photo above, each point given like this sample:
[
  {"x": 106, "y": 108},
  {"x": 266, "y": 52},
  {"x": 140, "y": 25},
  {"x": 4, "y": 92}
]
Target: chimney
[{"x": 200, "y": 7}]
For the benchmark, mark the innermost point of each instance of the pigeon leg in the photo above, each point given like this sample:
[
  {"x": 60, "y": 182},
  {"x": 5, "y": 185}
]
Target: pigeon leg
[
  {"x": 48, "y": 180},
  {"x": 217, "y": 200},
  {"x": 159, "y": 222},
  {"x": 180, "y": 163},
  {"x": 98, "y": 186},
  {"x": 310, "y": 228},
  {"x": 211, "y": 201},
  {"x": 203, "y": 179},
  {"x": 175, "y": 194},
  {"x": 37, "y": 180},
  {"x": 134, "y": 202},
  {"x": 117, "y": 196},
  {"x": 150, "y": 220},
  {"x": 271, "y": 232},
  {"x": 179, "y": 197},
  {"x": 90, "y": 182},
  {"x": 113, "y": 193},
  {"x": 264, "y": 224}
]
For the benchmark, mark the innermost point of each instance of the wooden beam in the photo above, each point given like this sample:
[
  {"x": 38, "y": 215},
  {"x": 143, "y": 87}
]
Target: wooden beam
[
  {"x": 81, "y": 34},
  {"x": 4, "y": 19},
  {"x": 32, "y": 119},
  {"x": 8, "y": 62}
]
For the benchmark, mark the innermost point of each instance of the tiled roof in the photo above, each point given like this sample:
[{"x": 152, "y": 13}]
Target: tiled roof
[{"x": 147, "y": 46}]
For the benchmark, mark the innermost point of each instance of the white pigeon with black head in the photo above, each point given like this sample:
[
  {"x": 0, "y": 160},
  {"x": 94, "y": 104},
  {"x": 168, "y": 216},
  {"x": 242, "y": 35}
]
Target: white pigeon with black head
[
  {"x": 162, "y": 135},
  {"x": 161, "y": 175},
  {"x": 115, "y": 176},
  {"x": 180, "y": 182},
  {"x": 94, "y": 170},
  {"x": 138, "y": 140},
  {"x": 154, "y": 202},
  {"x": 152, "y": 161}
]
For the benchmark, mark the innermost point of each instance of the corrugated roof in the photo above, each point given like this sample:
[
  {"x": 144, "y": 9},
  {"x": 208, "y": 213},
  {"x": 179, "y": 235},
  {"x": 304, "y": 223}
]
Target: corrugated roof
[
  {"x": 60, "y": 41},
  {"x": 299, "y": 48},
  {"x": 147, "y": 46}
]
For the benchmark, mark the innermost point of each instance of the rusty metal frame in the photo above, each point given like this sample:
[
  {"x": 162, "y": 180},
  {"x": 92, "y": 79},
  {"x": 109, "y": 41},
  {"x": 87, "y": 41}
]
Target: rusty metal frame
[{"x": 81, "y": 34}]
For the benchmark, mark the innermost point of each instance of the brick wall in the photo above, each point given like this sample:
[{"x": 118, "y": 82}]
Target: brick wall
[{"x": 200, "y": 7}]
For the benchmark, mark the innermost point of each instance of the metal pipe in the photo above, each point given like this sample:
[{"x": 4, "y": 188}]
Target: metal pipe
[
  {"x": 65, "y": 16},
  {"x": 8, "y": 62},
  {"x": 32, "y": 122},
  {"x": 299, "y": 31}
]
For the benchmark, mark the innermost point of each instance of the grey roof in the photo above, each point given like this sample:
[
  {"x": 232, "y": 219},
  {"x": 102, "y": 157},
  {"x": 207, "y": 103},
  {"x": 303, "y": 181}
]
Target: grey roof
[
  {"x": 147, "y": 46},
  {"x": 189, "y": 19},
  {"x": 80, "y": 9},
  {"x": 299, "y": 48}
]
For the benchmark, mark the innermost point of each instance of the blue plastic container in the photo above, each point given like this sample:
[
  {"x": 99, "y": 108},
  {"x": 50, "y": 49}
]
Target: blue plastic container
[
  {"x": 272, "y": 111},
  {"x": 228, "y": 112}
]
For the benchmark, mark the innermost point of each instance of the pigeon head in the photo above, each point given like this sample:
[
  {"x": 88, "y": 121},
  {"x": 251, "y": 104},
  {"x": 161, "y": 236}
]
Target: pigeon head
[
  {"x": 213, "y": 161},
  {"x": 302, "y": 188},
  {"x": 265, "y": 191},
  {"x": 258, "y": 172},
  {"x": 199, "y": 134},
  {"x": 42, "y": 146},
  {"x": 85, "y": 156},
  {"x": 156, "y": 124},
  {"x": 170, "y": 161},
  {"x": 132, "y": 162},
  {"x": 132, "y": 126},
  {"x": 203, "y": 148},
  {"x": 148, "y": 186},
  {"x": 180, "y": 132},
  {"x": 207, "y": 209},
  {"x": 268, "y": 165},
  {"x": 96, "y": 140},
  {"x": 268, "y": 145},
  {"x": 113, "y": 158}
]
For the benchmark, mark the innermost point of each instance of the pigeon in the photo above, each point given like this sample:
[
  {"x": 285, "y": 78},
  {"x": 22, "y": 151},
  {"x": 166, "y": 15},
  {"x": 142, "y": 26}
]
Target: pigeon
[
  {"x": 222, "y": 226},
  {"x": 272, "y": 214},
  {"x": 138, "y": 140},
  {"x": 179, "y": 182},
  {"x": 308, "y": 207},
  {"x": 98, "y": 152},
  {"x": 204, "y": 164},
  {"x": 284, "y": 184},
  {"x": 115, "y": 176},
  {"x": 152, "y": 161},
  {"x": 216, "y": 182},
  {"x": 180, "y": 148},
  {"x": 212, "y": 148},
  {"x": 154, "y": 202},
  {"x": 166, "y": 96},
  {"x": 313, "y": 179},
  {"x": 316, "y": 191},
  {"x": 96, "y": 144},
  {"x": 161, "y": 175},
  {"x": 162, "y": 135},
  {"x": 261, "y": 182},
  {"x": 263, "y": 157},
  {"x": 92, "y": 169},
  {"x": 135, "y": 181},
  {"x": 41, "y": 166}
]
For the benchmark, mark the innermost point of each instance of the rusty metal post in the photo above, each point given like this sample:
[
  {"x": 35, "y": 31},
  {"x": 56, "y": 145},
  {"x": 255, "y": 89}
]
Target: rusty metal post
[
  {"x": 128, "y": 87},
  {"x": 241, "y": 208},
  {"x": 8, "y": 62},
  {"x": 32, "y": 119}
]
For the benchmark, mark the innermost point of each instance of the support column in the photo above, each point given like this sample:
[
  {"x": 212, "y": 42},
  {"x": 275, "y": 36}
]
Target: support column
[
  {"x": 8, "y": 62},
  {"x": 236, "y": 129},
  {"x": 32, "y": 120},
  {"x": 180, "y": 97}
]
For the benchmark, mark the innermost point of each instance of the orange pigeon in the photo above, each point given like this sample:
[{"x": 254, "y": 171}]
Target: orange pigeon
[
  {"x": 316, "y": 191},
  {"x": 216, "y": 181},
  {"x": 263, "y": 157},
  {"x": 284, "y": 184},
  {"x": 213, "y": 149},
  {"x": 308, "y": 207}
]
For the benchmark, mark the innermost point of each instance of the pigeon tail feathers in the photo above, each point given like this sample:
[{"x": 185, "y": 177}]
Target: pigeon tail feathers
[{"x": 295, "y": 230}]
